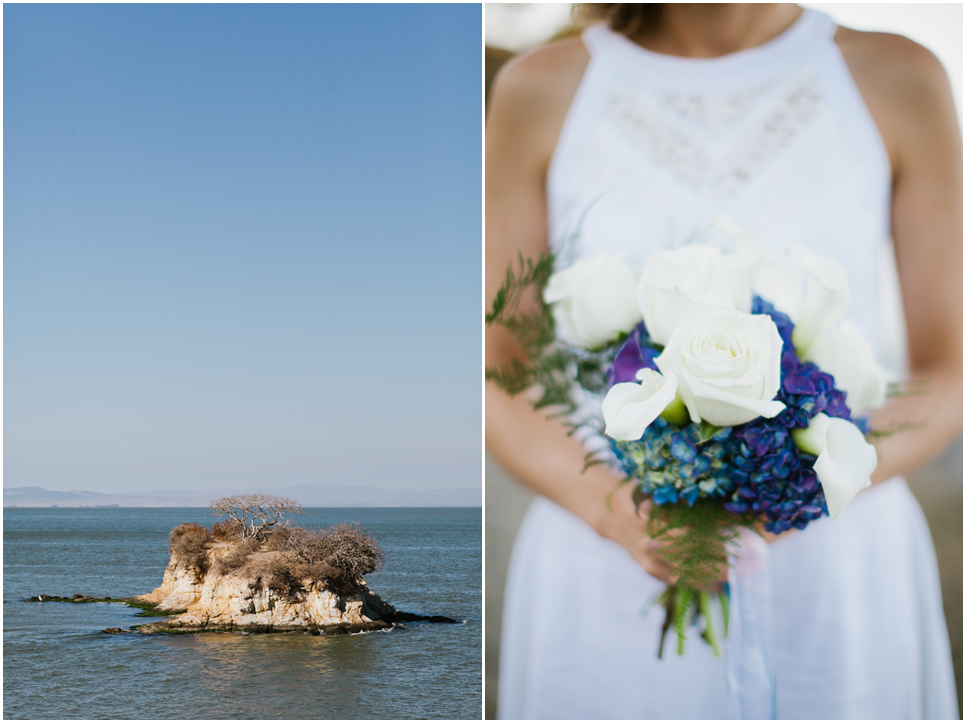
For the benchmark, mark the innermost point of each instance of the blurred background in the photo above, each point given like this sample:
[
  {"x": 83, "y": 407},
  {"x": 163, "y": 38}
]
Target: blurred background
[{"x": 513, "y": 28}]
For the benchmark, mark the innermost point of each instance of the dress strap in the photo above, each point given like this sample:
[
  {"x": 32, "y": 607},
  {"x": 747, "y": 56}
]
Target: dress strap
[
  {"x": 824, "y": 26},
  {"x": 597, "y": 38}
]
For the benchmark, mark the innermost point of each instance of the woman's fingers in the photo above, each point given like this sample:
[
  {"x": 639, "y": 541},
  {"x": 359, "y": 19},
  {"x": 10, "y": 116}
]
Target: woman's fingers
[
  {"x": 654, "y": 565},
  {"x": 627, "y": 526},
  {"x": 655, "y": 548}
]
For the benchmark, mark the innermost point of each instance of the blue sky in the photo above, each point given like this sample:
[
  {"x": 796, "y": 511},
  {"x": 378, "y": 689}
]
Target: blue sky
[{"x": 242, "y": 246}]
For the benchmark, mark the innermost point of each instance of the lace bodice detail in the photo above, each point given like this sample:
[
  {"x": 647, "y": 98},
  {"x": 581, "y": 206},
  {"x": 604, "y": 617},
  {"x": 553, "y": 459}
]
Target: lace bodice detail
[
  {"x": 716, "y": 143},
  {"x": 776, "y": 137}
]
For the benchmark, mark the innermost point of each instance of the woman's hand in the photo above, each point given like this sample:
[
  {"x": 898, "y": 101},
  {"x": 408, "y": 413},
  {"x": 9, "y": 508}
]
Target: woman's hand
[
  {"x": 621, "y": 523},
  {"x": 771, "y": 537}
]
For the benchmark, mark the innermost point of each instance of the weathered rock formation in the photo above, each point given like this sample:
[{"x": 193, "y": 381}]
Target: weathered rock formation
[
  {"x": 240, "y": 600},
  {"x": 289, "y": 579}
]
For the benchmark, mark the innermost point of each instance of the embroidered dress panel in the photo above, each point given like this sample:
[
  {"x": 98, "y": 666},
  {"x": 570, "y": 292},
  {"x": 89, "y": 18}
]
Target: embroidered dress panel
[{"x": 778, "y": 139}]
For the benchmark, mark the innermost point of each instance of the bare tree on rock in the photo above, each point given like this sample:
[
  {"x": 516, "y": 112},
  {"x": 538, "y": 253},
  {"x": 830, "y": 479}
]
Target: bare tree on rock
[{"x": 256, "y": 514}]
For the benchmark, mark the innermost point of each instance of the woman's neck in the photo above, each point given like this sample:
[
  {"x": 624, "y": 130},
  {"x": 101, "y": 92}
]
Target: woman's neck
[{"x": 710, "y": 30}]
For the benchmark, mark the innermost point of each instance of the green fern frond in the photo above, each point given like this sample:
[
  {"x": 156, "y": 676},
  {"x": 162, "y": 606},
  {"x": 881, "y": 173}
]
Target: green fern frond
[
  {"x": 695, "y": 539},
  {"x": 512, "y": 378},
  {"x": 895, "y": 428},
  {"x": 545, "y": 366},
  {"x": 908, "y": 388},
  {"x": 507, "y": 299}
]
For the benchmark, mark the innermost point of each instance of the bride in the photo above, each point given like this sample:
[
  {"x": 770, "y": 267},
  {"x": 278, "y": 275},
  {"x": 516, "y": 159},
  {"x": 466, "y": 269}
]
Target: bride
[{"x": 656, "y": 120}]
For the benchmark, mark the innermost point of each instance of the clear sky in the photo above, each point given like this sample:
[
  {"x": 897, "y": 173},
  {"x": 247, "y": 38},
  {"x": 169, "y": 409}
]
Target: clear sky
[{"x": 242, "y": 246}]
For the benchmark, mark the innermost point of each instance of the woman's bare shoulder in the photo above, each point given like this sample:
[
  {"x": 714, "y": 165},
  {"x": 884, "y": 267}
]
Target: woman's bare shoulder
[
  {"x": 533, "y": 91},
  {"x": 891, "y": 61},
  {"x": 546, "y": 71},
  {"x": 903, "y": 84}
]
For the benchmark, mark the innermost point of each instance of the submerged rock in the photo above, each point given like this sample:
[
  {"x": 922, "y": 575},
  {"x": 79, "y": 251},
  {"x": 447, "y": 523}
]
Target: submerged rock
[{"x": 74, "y": 599}]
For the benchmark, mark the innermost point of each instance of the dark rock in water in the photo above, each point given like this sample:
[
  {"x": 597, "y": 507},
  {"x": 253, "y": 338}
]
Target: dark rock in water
[
  {"x": 401, "y": 617},
  {"x": 112, "y": 631},
  {"x": 74, "y": 599},
  {"x": 78, "y": 596},
  {"x": 175, "y": 626},
  {"x": 441, "y": 619}
]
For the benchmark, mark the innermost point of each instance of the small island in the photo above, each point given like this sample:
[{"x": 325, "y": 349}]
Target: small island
[{"x": 254, "y": 571}]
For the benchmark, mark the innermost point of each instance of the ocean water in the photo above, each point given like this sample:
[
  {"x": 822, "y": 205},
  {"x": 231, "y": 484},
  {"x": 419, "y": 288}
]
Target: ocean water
[{"x": 57, "y": 663}]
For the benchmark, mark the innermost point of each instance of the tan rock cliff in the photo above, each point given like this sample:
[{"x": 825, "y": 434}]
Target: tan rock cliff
[{"x": 234, "y": 600}]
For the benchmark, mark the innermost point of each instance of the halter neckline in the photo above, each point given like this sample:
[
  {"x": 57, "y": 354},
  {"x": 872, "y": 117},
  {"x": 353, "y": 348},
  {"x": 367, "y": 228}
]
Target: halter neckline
[{"x": 808, "y": 28}]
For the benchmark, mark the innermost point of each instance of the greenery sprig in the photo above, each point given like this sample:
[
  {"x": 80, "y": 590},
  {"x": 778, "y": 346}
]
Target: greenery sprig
[
  {"x": 550, "y": 367},
  {"x": 536, "y": 332},
  {"x": 909, "y": 388},
  {"x": 695, "y": 540}
]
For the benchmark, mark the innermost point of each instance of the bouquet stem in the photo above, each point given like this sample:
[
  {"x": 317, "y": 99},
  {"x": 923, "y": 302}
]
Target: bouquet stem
[
  {"x": 687, "y": 607},
  {"x": 704, "y": 610}
]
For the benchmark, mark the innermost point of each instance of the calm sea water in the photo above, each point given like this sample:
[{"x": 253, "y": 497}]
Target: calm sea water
[{"x": 57, "y": 664}]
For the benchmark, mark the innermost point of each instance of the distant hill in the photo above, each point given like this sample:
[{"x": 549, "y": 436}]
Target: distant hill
[{"x": 308, "y": 495}]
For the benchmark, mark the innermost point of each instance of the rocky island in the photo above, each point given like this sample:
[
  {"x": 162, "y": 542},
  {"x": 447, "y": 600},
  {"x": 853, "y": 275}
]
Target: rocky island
[{"x": 255, "y": 571}]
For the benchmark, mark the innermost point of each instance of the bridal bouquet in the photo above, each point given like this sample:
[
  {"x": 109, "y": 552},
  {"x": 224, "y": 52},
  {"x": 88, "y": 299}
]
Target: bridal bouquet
[{"x": 726, "y": 388}]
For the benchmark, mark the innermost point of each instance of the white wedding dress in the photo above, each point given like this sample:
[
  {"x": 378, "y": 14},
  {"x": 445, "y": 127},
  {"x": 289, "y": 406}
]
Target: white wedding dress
[{"x": 778, "y": 139}]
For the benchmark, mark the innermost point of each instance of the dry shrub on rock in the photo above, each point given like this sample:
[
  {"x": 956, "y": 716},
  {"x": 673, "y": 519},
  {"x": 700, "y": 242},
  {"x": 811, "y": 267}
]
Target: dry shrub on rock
[
  {"x": 237, "y": 557},
  {"x": 189, "y": 545},
  {"x": 350, "y": 551},
  {"x": 278, "y": 539},
  {"x": 280, "y": 576},
  {"x": 260, "y": 572},
  {"x": 300, "y": 544},
  {"x": 338, "y": 556},
  {"x": 227, "y": 530}
]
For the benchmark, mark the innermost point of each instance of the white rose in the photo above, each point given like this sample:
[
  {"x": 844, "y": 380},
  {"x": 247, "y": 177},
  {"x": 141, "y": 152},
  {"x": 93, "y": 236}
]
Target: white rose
[
  {"x": 594, "y": 300},
  {"x": 826, "y": 296},
  {"x": 688, "y": 282},
  {"x": 727, "y": 365},
  {"x": 775, "y": 280},
  {"x": 845, "y": 354},
  {"x": 845, "y": 460},
  {"x": 630, "y": 408},
  {"x": 780, "y": 284}
]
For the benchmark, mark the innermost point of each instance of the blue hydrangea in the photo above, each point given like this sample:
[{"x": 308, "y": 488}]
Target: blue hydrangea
[
  {"x": 670, "y": 463},
  {"x": 754, "y": 467},
  {"x": 774, "y": 479}
]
